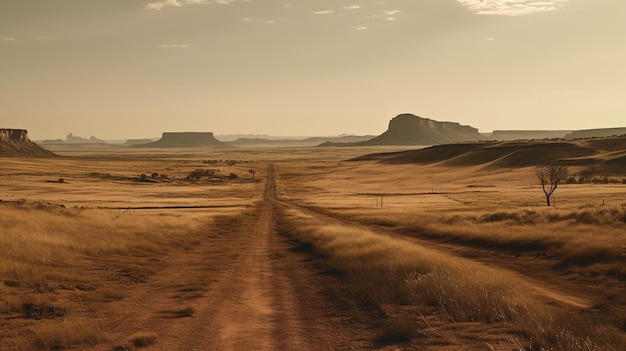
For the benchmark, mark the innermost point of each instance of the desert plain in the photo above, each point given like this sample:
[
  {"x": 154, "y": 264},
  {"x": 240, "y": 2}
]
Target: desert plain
[{"x": 305, "y": 249}]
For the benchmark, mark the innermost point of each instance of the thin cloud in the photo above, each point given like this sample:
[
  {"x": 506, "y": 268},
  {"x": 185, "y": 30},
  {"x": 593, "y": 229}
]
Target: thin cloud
[
  {"x": 8, "y": 40},
  {"x": 384, "y": 14},
  {"x": 353, "y": 7},
  {"x": 159, "y": 5},
  {"x": 323, "y": 12},
  {"x": 360, "y": 28},
  {"x": 510, "y": 7},
  {"x": 391, "y": 12},
  {"x": 256, "y": 20}
]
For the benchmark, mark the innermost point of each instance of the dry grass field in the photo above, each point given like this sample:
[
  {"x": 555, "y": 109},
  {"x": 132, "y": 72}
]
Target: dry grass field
[
  {"x": 166, "y": 250},
  {"x": 560, "y": 270}
]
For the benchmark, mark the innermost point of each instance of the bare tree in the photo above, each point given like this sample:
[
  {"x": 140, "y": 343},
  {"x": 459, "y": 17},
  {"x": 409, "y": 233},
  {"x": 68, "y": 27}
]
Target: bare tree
[{"x": 550, "y": 176}]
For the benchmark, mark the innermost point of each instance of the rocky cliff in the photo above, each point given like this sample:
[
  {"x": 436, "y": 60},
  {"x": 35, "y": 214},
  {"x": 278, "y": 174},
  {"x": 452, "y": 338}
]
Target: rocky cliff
[
  {"x": 408, "y": 129},
  {"x": 15, "y": 142},
  {"x": 185, "y": 139}
]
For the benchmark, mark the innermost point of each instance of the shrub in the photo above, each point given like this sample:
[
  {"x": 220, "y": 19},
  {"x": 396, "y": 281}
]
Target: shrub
[{"x": 199, "y": 173}]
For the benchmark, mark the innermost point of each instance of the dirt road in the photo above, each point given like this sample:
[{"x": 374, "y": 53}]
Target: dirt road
[
  {"x": 252, "y": 304},
  {"x": 241, "y": 288}
]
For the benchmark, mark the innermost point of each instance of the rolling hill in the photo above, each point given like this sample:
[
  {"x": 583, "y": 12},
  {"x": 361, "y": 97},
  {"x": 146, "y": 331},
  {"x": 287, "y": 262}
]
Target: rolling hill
[{"x": 607, "y": 154}]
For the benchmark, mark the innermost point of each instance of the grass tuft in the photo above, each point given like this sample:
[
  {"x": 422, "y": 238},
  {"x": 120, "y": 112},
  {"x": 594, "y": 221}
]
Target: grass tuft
[
  {"x": 59, "y": 336},
  {"x": 398, "y": 330},
  {"x": 143, "y": 339}
]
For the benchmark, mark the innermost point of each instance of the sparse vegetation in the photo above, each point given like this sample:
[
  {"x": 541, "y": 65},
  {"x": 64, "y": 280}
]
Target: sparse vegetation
[
  {"x": 185, "y": 311},
  {"x": 502, "y": 225},
  {"x": 199, "y": 173},
  {"x": 43, "y": 250},
  {"x": 383, "y": 271},
  {"x": 63, "y": 266},
  {"x": 143, "y": 339},
  {"x": 592, "y": 175},
  {"x": 64, "y": 335},
  {"x": 550, "y": 177},
  {"x": 577, "y": 237}
]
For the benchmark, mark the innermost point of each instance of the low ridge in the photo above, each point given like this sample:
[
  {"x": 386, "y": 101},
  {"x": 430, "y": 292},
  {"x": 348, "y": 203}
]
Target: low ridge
[
  {"x": 607, "y": 154},
  {"x": 527, "y": 134},
  {"x": 596, "y": 133}
]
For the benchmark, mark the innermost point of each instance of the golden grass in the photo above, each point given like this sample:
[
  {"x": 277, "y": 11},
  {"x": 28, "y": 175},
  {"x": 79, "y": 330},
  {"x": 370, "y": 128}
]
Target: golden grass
[
  {"x": 143, "y": 339},
  {"x": 55, "y": 262},
  {"x": 67, "y": 333},
  {"x": 45, "y": 251},
  {"x": 380, "y": 270},
  {"x": 579, "y": 237},
  {"x": 35, "y": 241},
  {"x": 501, "y": 211}
]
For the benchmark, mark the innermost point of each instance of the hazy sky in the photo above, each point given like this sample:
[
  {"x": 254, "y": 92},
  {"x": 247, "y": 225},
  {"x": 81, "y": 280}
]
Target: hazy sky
[{"x": 135, "y": 68}]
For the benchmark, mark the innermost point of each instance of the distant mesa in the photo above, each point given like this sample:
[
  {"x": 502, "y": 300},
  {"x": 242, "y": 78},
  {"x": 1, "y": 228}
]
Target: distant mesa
[
  {"x": 185, "y": 139},
  {"x": 409, "y": 129},
  {"x": 15, "y": 143},
  {"x": 299, "y": 141},
  {"x": 72, "y": 139}
]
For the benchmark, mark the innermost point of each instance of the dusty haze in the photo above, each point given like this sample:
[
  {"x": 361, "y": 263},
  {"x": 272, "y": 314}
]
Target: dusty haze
[{"x": 135, "y": 68}]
